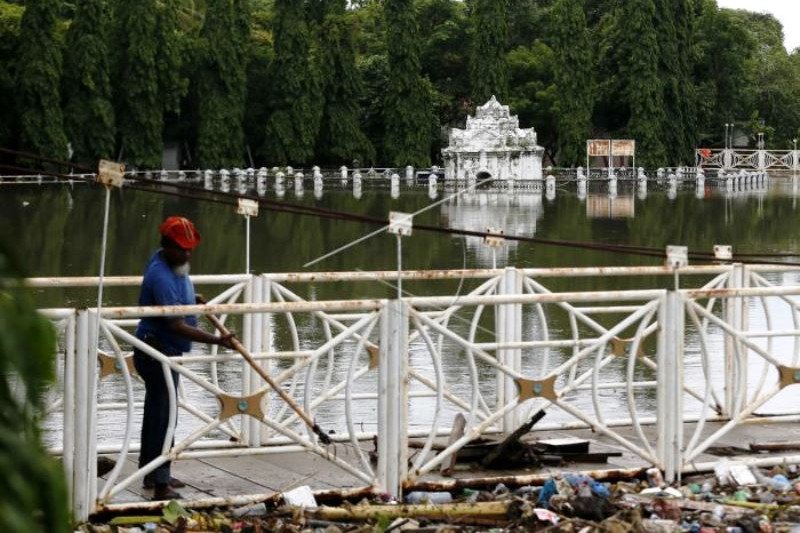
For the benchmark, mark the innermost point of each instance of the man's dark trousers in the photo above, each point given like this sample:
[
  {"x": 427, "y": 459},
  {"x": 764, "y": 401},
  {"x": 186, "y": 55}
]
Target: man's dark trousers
[{"x": 155, "y": 420}]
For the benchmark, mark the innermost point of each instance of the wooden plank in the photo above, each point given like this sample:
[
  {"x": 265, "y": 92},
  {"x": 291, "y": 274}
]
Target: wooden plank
[
  {"x": 212, "y": 480},
  {"x": 459, "y": 423},
  {"x": 135, "y": 491},
  {"x": 272, "y": 477},
  {"x": 319, "y": 473}
]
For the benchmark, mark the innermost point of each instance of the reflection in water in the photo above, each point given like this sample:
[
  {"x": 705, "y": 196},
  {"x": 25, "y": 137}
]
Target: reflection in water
[
  {"x": 515, "y": 214},
  {"x": 602, "y": 206}
]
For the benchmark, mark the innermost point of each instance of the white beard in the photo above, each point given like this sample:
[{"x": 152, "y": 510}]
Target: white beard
[{"x": 182, "y": 270}]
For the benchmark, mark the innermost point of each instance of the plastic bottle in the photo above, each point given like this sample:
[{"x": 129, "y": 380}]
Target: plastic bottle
[
  {"x": 780, "y": 483},
  {"x": 428, "y": 497}
]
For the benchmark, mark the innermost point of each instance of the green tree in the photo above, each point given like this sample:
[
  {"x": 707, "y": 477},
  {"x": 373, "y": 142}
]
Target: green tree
[
  {"x": 633, "y": 91},
  {"x": 574, "y": 85},
  {"x": 259, "y": 61},
  {"x": 88, "y": 110},
  {"x": 533, "y": 91},
  {"x": 674, "y": 26},
  {"x": 294, "y": 92},
  {"x": 445, "y": 56},
  {"x": 221, "y": 84},
  {"x": 148, "y": 75},
  {"x": 10, "y": 17},
  {"x": 723, "y": 71},
  {"x": 489, "y": 39},
  {"x": 341, "y": 138},
  {"x": 38, "y": 81},
  {"x": 32, "y": 484},
  {"x": 408, "y": 112}
]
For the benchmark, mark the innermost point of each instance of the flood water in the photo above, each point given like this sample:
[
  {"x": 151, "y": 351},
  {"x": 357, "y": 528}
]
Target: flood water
[{"x": 56, "y": 229}]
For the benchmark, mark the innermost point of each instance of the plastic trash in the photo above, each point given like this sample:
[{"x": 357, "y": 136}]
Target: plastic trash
[
  {"x": 722, "y": 471},
  {"x": 695, "y": 488},
  {"x": 500, "y": 489},
  {"x": 417, "y": 497},
  {"x": 781, "y": 483},
  {"x": 577, "y": 480},
  {"x": 667, "y": 509},
  {"x": 718, "y": 513},
  {"x": 549, "y": 490},
  {"x": 527, "y": 489},
  {"x": 740, "y": 474},
  {"x": 741, "y": 496},
  {"x": 564, "y": 487},
  {"x": 300, "y": 497},
  {"x": 654, "y": 477},
  {"x": 544, "y": 515},
  {"x": 766, "y": 497}
]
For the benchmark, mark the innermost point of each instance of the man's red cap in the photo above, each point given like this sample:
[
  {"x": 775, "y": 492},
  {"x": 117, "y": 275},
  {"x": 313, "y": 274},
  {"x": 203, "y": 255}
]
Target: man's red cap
[{"x": 181, "y": 231}]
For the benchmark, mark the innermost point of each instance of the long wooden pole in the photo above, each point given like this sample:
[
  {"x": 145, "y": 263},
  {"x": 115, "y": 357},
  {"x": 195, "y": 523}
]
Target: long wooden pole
[{"x": 239, "y": 347}]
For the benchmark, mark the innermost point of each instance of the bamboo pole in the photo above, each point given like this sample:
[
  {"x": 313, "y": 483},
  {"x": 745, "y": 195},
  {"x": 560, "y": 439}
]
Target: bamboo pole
[
  {"x": 439, "y": 511},
  {"x": 323, "y": 437}
]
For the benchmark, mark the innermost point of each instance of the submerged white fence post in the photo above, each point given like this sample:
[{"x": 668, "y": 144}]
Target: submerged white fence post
[
  {"x": 393, "y": 398},
  {"x": 669, "y": 391},
  {"x": 735, "y": 314},
  {"x": 508, "y": 328}
]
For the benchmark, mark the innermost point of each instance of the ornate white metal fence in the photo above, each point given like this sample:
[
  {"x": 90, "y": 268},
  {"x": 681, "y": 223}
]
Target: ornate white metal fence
[
  {"x": 749, "y": 159},
  {"x": 396, "y": 369}
]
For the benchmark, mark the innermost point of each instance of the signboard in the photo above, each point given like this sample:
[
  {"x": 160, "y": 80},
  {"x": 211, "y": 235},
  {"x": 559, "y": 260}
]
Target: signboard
[
  {"x": 598, "y": 148},
  {"x": 611, "y": 148},
  {"x": 625, "y": 148},
  {"x": 111, "y": 174}
]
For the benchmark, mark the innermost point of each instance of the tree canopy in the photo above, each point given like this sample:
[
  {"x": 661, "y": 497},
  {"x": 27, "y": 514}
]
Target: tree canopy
[{"x": 313, "y": 82}]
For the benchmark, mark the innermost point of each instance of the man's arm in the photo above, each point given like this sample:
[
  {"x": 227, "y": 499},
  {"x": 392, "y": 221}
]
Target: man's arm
[{"x": 180, "y": 327}]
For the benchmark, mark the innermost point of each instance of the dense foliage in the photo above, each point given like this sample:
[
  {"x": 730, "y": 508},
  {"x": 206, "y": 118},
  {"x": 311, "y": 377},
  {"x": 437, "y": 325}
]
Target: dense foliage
[
  {"x": 88, "y": 108},
  {"x": 38, "y": 74},
  {"x": 309, "y": 81},
  {"x": 32, "y": 484},
  {"x": 221, "y": 82}
]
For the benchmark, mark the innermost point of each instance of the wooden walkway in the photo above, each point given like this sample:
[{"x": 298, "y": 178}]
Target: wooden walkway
[{"x": 267, "y": 474}]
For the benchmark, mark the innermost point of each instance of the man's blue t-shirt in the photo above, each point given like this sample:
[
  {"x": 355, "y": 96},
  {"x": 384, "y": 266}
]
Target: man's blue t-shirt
[{"x": 161, "y": 286}]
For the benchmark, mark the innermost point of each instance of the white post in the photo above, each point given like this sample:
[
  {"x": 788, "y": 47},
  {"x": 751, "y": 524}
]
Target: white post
[
  {"x": 393, "y": 399},
  {"x": 735, "y": 310},
  {"x": 265, "y": 326},
  {"x": 91, "y": 408},
  {"x": 248, "y": 380},
  {"x": 508, "y": 328},
  {"x": 669, "y": 391},
  {"x": 69, "y": 400},
  {"x": 256, "y": 320},
  {"x": 80, "y": 481}
]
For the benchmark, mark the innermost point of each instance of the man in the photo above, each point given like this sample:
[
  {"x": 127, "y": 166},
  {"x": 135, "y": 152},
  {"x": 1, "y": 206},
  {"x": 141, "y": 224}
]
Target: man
[{"x": 166, "y": 282}]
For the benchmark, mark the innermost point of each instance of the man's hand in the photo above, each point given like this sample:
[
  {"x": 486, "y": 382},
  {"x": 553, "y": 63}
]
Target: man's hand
[
  {"x": 226, "y": 341},
  {"x": 198, "y": 299}
]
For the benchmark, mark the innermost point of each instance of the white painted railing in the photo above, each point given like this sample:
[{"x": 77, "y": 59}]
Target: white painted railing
[
  {"x": 749, "y": 159},
  {"x": 397, "y": 369}
]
